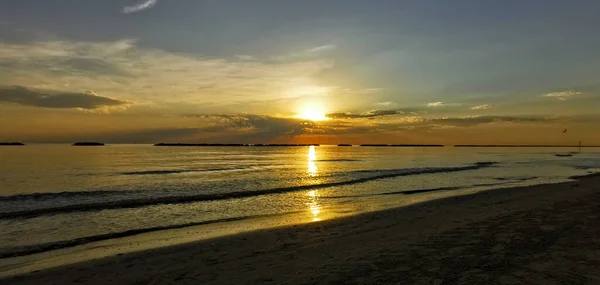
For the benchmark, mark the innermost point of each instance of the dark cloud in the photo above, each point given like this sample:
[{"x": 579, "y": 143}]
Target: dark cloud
[
  {"x": 56, "y": 99},
  {"x": 257, "y": 126},
  {"x": 263, "y": 128},
  {"x": 478, "y": 120},
  {"x": 377, "y": 113},
  {"x": 251, "y": 128}
]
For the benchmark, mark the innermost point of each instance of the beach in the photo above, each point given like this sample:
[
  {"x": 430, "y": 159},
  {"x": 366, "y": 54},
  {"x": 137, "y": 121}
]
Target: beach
[
  {"x": 543, "y": 234},
  {"x": 299, "y": 142}
]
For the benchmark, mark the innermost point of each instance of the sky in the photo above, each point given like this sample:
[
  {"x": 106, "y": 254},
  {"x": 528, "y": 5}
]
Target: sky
[{"x": 327, "y": 71}]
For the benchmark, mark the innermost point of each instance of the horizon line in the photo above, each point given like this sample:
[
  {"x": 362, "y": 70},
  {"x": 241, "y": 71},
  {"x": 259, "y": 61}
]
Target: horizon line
[{"x": 7, "y": 143}]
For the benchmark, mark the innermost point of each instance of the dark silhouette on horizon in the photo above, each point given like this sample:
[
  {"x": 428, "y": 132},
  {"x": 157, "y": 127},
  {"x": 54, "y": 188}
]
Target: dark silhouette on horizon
[
  {"x": 12, "y": 143},
  {"x": 517, "y": 145},
  {"x": 223, "y": 144},
  {"x": 88, "y": 144}
]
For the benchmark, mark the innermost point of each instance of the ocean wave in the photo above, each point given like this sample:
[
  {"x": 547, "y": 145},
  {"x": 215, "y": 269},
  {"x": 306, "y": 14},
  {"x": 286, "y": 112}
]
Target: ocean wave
[
  {"x": 149, "y": 201},
  {"x": 39, "y": 248},
  {"x": 177, "y": 171},
  {"x": 584, "y": 167},
  {"x": 338, "y": 160},
  {"x": 421, "y": 191},
  {"x": 66, "y": 194},
  {"x": 427, "y": 190}
]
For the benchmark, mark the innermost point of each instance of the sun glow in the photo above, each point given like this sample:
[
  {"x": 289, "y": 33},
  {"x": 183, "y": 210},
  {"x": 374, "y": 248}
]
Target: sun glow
[{"x": 312, "y": 112}]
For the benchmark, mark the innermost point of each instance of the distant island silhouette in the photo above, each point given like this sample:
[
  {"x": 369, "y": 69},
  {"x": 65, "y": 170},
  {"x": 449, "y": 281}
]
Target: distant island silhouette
[
  {"x": 223, "y": 144},
  {"x": 362, "y": 145},
  {"x": 342, "y": 145},
  {"x": 11, "y": 143},
  {"x": 88, "y": 144},
  {"x": 402, "y": 145},
  {"x": 517, "y": 145},
  {"x": 417, "y": 145}
]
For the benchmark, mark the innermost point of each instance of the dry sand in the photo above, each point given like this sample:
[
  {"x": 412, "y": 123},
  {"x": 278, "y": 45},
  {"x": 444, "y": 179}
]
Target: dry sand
[{"x": 545, "y": 234}]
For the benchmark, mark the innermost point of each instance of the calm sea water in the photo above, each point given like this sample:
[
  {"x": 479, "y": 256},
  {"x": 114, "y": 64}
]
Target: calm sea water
[{"x": 58, "y": 196}]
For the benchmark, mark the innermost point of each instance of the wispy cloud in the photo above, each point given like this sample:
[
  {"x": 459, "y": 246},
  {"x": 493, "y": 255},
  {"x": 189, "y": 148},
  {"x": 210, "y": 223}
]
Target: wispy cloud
[
  {"x": 371, "y": 90},
  {"x": 139, "y": 6},
  {"x": 121, "y": 69},
  {"x": 478, "y": 120},
  {"x": 386, "y": 103},
  {"x": 246, "y": 57},
  {"x": 311, "y": 52},
  {"x": 321, "y": 49},
  {"x": 435, "y": 104},
  {"x": 481, "y": 107},
  {"x": 564, "y": 95}
]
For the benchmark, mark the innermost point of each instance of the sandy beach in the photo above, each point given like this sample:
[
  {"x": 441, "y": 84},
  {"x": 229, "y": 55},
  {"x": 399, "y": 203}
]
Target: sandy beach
[{"x": 544, "y": 234}]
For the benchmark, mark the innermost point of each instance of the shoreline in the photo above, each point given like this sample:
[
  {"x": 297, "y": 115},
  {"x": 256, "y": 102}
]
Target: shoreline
[
  {"x": 332, "y": 251},
  {"x": 187, "y": 199}
]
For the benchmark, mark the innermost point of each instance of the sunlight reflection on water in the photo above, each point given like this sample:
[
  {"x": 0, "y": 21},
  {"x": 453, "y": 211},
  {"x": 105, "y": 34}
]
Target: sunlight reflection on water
[
  {"x": 313, "y": 204},
  {"x": 312, "y": 166}
]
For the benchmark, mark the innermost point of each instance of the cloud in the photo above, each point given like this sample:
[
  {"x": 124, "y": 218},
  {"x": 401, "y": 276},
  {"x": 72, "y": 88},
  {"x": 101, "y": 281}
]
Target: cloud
[
  {"x": 481, "y": 107},
  {"x": 443, "y": 104},
  {"x": 478, "y": 120},
  {"x": 250, "y": 128},
  {"x": 435, "y": 104},
  {"x": 246, "y": 57},
  {"x": 562, "y": 95},
  {"x": 422, "y": 123},
  {"x": 321, "y": 49},
  {"x": 361, "y": 91},
  {"x": 254, "y": 128},
  {"x": 139, "y": 6},
  {"x": 57, "y": 99},
  {"x": 370, "y": 90},
  {"x": 309, "y": 53},
  {"x": 387, "y": 103},
  {"x": 375, "y": 113},
  {"x": 124, "y": 70}
]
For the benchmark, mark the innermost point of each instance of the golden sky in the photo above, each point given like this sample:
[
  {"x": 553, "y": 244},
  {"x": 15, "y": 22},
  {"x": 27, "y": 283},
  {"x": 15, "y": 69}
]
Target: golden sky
[{"x": 240, "y": 72}]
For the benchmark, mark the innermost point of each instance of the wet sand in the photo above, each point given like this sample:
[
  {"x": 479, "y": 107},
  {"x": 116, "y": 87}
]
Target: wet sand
[{"x": 545, "y": 234}]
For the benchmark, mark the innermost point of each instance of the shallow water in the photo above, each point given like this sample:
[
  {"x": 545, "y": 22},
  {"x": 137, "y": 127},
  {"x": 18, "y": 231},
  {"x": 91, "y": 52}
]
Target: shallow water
[{"x": 57, "y": 196}]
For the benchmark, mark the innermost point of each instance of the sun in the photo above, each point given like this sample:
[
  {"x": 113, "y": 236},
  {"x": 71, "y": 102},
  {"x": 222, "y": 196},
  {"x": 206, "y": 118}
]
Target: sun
[{"x": 312, "y": 112}]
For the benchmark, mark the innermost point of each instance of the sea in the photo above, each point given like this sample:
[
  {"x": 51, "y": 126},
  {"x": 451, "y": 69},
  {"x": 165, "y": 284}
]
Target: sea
[{"x": 61, "y": 204}]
